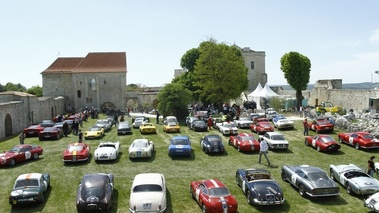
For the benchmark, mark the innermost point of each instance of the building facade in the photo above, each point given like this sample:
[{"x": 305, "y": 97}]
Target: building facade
[{"x": 255, "y": 61}]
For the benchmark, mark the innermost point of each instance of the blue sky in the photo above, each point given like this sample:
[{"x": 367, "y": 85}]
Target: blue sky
[{"x": 340, "y": 37}]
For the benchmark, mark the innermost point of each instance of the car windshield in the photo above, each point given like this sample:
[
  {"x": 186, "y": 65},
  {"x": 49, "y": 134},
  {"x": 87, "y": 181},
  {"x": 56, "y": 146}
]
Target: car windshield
[
  {"x": 15, "y": 149},
  {"x": 323, "y": 122},
  {"x": 277, "y": 137},
  {"x": 49, "y": 129},
  {"x": 147, "y": 188},
  {"x": 171, "y": 123},
  {"x": 180, "y": 142},
  {"x": 26, "y": 183},
  {"x": 107, "y": 145},
  {"x": 229, "y": 125},
  {"x": 368, "y": 136},
  {"x": 327, "y": 139},
  {"x": 74, "y": 148},
  {"x": 248, "y": 138},
  {"x": 140, "y": 144},
  {"x": 199, "y": 122},
  {"x": 219, "y": 192},
  {"x": 266, "y": 125},
  {"x": 317, "y": 176},
  {"x": 94, "y": 128},
  {"x": 93, "y": 192}
]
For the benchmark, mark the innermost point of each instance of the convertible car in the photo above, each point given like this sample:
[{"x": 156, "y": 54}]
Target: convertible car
[
  {"x": 259, "y": 187},
  {"x": 148, "y": 193},
  {"x": 243, "y": 122},
  {"x": 322, "y": 143},
  {"x": 244, "y": 142},
  {"x": 33, "y": 130},
  {"x": 372, "y": 202},
  {"x": 95, "y": 193},
  {"x": 262, "y": 127},
  {"x": 146, "y": 128},
  {"x": 30, "y": 188},
  {"x": 364, "y": 140},
  {"x": 171, "y": 126},
  {"x": 141, "y": 148},
  {"x": 275, "y": 140},
  {"x": 213, "y": 196},
  {"x": 354, "y": 179},
  {"x": 50, "y": 133},
  {"x": 212, "y": 144},
  {"x": 107, "y": 151},
  {"x": 94, "y": 132},
  {"x": 180, "y": 146},
  {"x": 310, "y": 181},
  {"x": 20, "y": 153},
  {"x": 76, "y": 152},
  {"x": 321, "y": 125}
]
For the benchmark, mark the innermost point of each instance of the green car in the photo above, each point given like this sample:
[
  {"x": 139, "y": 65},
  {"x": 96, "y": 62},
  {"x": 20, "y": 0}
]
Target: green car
[{"x": 30, "y": 188}]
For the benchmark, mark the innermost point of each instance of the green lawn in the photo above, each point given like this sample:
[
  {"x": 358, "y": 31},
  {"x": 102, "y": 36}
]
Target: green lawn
[{"x": 179, "y": 172}]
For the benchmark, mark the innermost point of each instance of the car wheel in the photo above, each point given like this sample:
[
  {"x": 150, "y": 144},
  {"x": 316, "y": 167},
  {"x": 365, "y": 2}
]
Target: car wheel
[
  {"x": 42, "y": 198},
  {"x": 332, "y": 174},
  {"x": 340, "y": 139},
  {"x": 301, "y": 191},
  {"x": 204, "y": 209},
  {"x": 283, "y": 175},
  {"x": 238, "y": 148},
  {"x": 349, "y": 189},
  {"x": 191, "y": 192},
  {"x": 357, "y": 146},
  {"x": 248, "y": 197},
  {"x": 318, "y": 148},
  {"x": 306, "y": 142},
  {"x": 35, "y": 156},
  {"x": 12, "y": 162}
]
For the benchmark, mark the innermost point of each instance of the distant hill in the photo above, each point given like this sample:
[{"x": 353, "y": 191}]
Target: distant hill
[{"x": 363, "y": 85}]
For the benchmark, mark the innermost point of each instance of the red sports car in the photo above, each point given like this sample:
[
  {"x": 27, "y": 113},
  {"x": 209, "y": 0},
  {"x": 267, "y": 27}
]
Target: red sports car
[
  {"x": 50, "y": 133},
  {"x": 359, "y": 140},
  {"x": 33, "y": 130},
  {"x": 20, "y": 153},
  {"x": 213, "y": 196},
  {"x": 244, "y": 142},
  {"x": 321, "y": 125},
  {"x": 262, "y": 127},
  {"x": 322, "y": 143},
  {"x": 76, "y": 152}
]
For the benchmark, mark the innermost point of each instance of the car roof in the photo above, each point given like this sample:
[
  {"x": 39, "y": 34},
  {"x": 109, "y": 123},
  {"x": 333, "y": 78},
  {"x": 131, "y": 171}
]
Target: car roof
[
  {"x": 148, "y": 178},
  {"x": 213, "y": 183},
  {"x": 29, "y": 176},
  {"x": 94, "y": 180}
]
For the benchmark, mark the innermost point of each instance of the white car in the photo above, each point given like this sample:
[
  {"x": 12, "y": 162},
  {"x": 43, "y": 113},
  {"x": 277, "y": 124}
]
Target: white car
[
  {"x": 105, "y": 124},
  {"x": 137, "y": 122},
  {"x": 275, "y": 140},
  {"x": 270, "y": 115},
  {"x": 283, "y": 124},
  {"x": 107, "y": 151},
  {"x": 148, "y": 193},
  {"x": 227, "y": 128},
  {"x": 141, "y": 148},
  {"x": 243, "y": 122},
  {"x": 372, "y": 202}
]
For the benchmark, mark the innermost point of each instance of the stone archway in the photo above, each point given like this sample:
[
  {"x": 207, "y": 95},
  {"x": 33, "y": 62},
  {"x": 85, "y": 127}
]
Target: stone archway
[
  {"x": 107, "y": 106},
  {"x": 8, "y": 126}
]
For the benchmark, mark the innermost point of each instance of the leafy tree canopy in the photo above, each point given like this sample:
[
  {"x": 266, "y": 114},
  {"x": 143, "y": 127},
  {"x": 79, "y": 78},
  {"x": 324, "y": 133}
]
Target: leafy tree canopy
[
  {"x": 173, "y": 100},
  {"x": 188, "y": 60},
  {"x": 35, "y": 90}
]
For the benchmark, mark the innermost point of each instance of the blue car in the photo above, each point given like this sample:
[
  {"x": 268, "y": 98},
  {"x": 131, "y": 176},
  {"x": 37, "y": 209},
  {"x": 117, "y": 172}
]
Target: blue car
[{"x": 180, "y": 146}]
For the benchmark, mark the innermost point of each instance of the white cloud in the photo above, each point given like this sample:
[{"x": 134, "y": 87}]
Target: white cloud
[{"x": 374, "y": 38}]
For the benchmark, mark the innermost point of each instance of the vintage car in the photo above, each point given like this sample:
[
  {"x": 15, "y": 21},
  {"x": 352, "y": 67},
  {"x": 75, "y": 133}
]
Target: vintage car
[
  {"x": 364, "y": 140},
  {"x": 243, "y": 122},
  {"x": 30, "y": 188},
  {"x": 170, "y": 119},
  {"x": 321, "y": 126},
  {"x": 138, "y": 121},
  {"x": 105, "y": 124},
  {"x": 33, "y": 130},
  {"x": 260, "y": 112},
  {"x": 141, "y": 117},
  {"x": 227, "y": 128},
  {"x": 372, "y": 202},
  {"x": 199, "y": 126},
  {"x": 278, "y": 117},
  {"x": 20, "y": 153},
  {"x": 50, "y": 133},
  {"x": 259, "y": 187},
  {"x": 212, "y": 144},
  {"x": 95, "y": 192},
  {"x": 213, "y": 196},
  {"x": 47, "y": 123},
  {"x": 141, "y": 148},
  {"x": 244, "y": 142},
  {"x": 59, "y": 125},
  {"x": 124, "y": 128},
  {"x": 180, "y": 146},
  {"x": 94, "y": 132},
  {"x": 146, "y": 128},
  {"x": 310, "y": 181},
  {"x": 262, "y": 127},
  {"x": 171, "y": 126},
  {"x": 148, "y": 193},
  {"x": 322, "y": 143},
  {"x": 76, "y": 152},
  {"x": 107, "y": 151},
  {"x": 354, "y": 179},
  {"x": 270, "y": 114},
  {"x": 282, "y": 123},
  {"x": 275, "y": 140},
  {"x": 190, "y": 119}
]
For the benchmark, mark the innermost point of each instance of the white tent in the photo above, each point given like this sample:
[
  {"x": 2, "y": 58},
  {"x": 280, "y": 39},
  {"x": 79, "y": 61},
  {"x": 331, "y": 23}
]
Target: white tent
[
  {"x": 266, "y": 92},
  {"x": 255, "y": 93},
  {"x": 259, "y": 93}
]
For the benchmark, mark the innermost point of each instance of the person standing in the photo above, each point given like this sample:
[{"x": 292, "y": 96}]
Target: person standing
[
  {"x": 371, "y": 166},
  {"x": 22, "y": 137},
  {"x": 80, "y": 136},
  {"x": 65, "y": 129},
  {"x": 306, "y": 128},
  {"x": 158, "y": 117},
  {"x": 115, "y": 119},
  {"x": 263, "y": 150},
  {"x": 210, "y": 122}
]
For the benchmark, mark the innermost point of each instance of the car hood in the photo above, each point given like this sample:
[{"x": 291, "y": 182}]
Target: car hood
[
  {"x": 266, "y": 187},
  {"x": 147, "y": 200},
  {"x": 365, "y": 182},
  {"x": 27, "y": 191}
]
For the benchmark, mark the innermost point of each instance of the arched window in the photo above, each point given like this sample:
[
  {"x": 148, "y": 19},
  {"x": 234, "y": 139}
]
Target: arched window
[{"x": 93, "y": 84}]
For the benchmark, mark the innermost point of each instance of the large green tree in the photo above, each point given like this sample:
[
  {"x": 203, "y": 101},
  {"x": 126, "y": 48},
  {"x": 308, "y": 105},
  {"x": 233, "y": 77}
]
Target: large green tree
[
  {"x": 296, "y": 68},
  {"x": 173, "y": 100},
  {"x": 35, "y": 90}
]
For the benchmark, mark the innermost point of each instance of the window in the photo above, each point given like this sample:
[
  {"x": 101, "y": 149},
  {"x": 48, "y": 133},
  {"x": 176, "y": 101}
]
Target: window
[
  {"x": 93, "y": 84},
  {"x": 79, "y": 94},
  {"x": 252, "y": 65}
]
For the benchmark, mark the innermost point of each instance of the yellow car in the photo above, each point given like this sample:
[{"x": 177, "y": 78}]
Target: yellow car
[
  {"x": 94, "y": 132},
  {"x": 171, "y": 127},
  {"x": 147, "y": 128}
]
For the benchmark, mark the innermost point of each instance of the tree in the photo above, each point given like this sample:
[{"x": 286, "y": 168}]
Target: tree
[
  {"x": 35, "y": 90},
  {"x": 220, "y": 73},
  {"x": 296, "y": 68},
  {"x": 188, "y": 60},
  {"x": 173, "y": 100},
  {"x": 15, "y": 87}
]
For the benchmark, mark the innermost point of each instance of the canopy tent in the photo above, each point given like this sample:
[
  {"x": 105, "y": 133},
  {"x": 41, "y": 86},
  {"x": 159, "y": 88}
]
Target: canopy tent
[
  {"x": 255, "y": 93},
  {"x": 267, "y": 92},
  {"x": 259, "y": 93}
]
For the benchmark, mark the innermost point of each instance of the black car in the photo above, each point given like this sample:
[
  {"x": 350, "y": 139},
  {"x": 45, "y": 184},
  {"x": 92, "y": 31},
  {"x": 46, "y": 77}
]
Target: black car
[
  {"x": 199, "y": 126},
  {"x": 124, "y": 128},
  {"x": 259, "y": 187},
  {"x": 212, "y": 144},
  {"x": 190, "y": 119},
  {"x": 95, "y": 192},
  {"x": 30, "y": 188}
]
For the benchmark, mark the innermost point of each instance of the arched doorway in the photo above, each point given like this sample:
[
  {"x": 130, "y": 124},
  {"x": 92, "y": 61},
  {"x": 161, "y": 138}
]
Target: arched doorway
[
  {"x": 108, "y": 107},
  {"x": 8, "y": 126}
]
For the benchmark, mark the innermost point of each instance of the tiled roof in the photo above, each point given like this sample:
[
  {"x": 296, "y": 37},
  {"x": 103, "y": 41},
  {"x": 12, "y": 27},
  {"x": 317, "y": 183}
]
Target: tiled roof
[{"x": 93, "y": 62}]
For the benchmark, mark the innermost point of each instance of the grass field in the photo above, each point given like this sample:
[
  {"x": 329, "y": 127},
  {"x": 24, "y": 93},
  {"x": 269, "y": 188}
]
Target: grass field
[{"x": 179, "y": 172}]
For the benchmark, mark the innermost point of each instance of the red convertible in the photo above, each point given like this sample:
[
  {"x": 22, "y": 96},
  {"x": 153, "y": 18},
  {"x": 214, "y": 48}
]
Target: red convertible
[
  {"x": 50, "y": 133},
  {"x": 244, "y": 142},
  {"x": 76, "y": 152},
  {"x": 213, "y": 196},
  {"x": 33, "y": 130},
  {"x": 20, "y": 153},
  {"x": 321, "y": 125},
  {"x": 322, "y": 143},
  {"x": 359, "y": 140},
  {"x": 262, "y": 127}
]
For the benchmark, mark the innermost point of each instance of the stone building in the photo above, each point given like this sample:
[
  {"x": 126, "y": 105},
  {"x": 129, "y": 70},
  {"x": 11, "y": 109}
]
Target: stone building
[
  {"x": 255, "y": 61},
  {"x": 97, "y": 80}
]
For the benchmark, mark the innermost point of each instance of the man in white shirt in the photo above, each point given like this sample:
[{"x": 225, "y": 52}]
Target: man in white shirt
[{"x": 263, "y": 150}]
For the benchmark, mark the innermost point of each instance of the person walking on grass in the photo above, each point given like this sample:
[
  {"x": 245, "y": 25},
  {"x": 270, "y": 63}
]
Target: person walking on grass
[
  {"x": 263, "y": 150},
  {"x": 371, "y": 166},
  {"x": 306, "y": 128}
]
